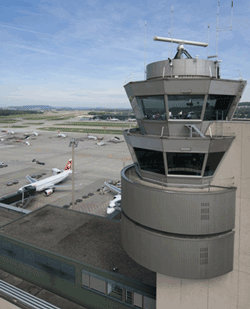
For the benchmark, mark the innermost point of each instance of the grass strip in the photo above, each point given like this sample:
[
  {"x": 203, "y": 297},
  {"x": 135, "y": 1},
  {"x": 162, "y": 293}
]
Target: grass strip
[
  {"x": 49, "y": 118},
  {"x": 7, "y": 121},
  {"x": 97, "y": 124},
  {"x": 36, "y": 123},
  {"x": 19, "y": 127},
  {"x": 79, "y": 130}
]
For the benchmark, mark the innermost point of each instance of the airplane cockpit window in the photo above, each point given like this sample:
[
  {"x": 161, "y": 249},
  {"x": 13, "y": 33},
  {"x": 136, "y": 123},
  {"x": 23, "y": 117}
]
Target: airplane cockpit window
[
  {"x": 185, "y": 163},
  {"x": 185, "y": 106},
  {"x": 150, "y": 160},
  {"x": 152, "y": 107},
  {"x": 218, "y": 106}
]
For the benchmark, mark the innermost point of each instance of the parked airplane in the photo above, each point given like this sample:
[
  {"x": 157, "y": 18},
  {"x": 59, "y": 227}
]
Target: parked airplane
[
  {"x": 115, "y": 140},
  {"x": 91, "y": 137},
  {"x": 115, "y": 203},
  {"x": 101, "y": 144},
  {"x": 61, "y": 135},
  {"x": 49, "y": 184}
]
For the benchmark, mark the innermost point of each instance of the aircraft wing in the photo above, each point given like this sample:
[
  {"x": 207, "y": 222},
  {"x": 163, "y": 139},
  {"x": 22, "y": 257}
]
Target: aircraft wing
[
  {"x": 30, "y": 179},
  {"x": 113, "y": 188},
  {"x": 56, "y": 186}
]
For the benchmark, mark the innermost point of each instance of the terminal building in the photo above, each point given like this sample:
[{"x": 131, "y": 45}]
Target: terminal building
[{"x": 183, "y": 238}]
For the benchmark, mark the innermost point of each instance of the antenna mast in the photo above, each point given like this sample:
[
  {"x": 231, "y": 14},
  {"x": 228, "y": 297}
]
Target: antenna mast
[
  {"x": 225, "y": 28},
  {"x": 208, "y": 28},
  {"x": 145, "y": 45},
  {"x": 217, "y": 28},
  {"x": 232, "y": 6},
  {"x": 172, "y": 21}
]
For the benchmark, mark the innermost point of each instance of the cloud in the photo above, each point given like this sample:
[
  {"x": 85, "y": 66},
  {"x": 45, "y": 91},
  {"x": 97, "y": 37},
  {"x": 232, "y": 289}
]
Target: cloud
[{"x": 22, "y": 29}]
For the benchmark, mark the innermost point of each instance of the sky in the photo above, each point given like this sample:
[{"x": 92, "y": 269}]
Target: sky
[{"x": 80, "y": 53}]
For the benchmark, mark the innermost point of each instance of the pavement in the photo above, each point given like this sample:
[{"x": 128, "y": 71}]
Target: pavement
[{"x": 93, "y": 165}]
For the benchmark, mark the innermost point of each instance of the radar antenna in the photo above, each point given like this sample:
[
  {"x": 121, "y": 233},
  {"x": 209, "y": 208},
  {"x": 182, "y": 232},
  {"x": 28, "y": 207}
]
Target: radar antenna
[{"x": 180, "y": 49}]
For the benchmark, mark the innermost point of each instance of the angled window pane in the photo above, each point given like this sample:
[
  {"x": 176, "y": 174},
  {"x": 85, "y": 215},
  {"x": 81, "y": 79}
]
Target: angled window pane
[
  {"x": 138, "y": 300},
  {"x": 185, "y": 163},
  {"x": 213, "y": 161},
  {"x": 97, "y": 284},
  {"x": 185, "y": 106},
  {"x": 152, "y": 107},
  {"x": 218, "y": 106},
  {"x": 150, "y": 160},
  {"x": 85, "y": 279}
]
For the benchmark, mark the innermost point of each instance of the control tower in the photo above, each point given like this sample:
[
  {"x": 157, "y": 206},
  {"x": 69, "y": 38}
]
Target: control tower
[{"x": 174, "y": 222}]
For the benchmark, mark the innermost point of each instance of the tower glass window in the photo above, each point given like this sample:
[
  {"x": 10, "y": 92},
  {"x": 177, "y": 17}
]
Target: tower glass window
[
  {"x": 213, "y": 161},
  {"x": 218, "y": 106},
  {"x": 150, "y": 160},
  {"x": 185, "y": 106},
  {"x": 152, "y": 107},
  {"x": 185, "y": 163}
]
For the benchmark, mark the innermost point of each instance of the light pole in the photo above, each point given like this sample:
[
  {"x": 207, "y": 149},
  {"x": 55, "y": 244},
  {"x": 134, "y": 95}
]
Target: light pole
[{"x": 73, "y": 143}]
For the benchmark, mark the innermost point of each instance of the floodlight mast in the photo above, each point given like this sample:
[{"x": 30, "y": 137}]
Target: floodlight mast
[{"x": 183, "y": 42}]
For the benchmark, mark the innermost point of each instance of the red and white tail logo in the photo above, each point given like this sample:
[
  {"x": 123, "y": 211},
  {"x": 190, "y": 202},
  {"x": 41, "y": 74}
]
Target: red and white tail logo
[{"x": 68, "y": 165}]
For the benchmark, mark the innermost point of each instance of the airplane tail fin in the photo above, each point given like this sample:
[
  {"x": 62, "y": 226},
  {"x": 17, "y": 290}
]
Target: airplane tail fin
[{"x": 68, "y": 165}]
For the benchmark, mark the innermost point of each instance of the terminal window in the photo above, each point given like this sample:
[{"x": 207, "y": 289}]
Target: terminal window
[
  {"x": 117, "y": 292},
  {"x": 218, "y": 106},
  {"x": 152, "y": 107},
  {"x": 150, "y": 160},
  {"x": 185, "y": 163},
  {"x": 185, "y": 106}
]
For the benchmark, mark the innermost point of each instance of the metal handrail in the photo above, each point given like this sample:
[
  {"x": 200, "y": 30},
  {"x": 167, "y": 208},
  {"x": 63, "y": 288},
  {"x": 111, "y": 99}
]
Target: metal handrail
[{"x": 23, "y": 297}]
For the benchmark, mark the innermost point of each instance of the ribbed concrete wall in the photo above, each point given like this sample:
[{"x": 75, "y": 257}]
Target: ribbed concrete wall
[
  {"x": 182, "y": 257},
  {"x": 193, "y": 212}
]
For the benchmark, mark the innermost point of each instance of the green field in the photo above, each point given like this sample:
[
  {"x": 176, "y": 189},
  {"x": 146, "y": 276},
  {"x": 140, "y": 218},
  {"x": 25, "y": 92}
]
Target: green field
[
  {"x": 36, "y": 123},
  {"x": 79, "y": 130},
  {"x": 15, "y": 116},
  {"x": 19, "y": 127},
  {"x": 50, "y": 118},
  {"x": 97, "y": 124},
  {"x": 7, "y": 121}
]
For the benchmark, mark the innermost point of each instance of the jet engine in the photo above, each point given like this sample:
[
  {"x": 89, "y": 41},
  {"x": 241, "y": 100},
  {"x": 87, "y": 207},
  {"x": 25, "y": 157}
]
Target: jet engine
[{"x": 49, "y": 192}]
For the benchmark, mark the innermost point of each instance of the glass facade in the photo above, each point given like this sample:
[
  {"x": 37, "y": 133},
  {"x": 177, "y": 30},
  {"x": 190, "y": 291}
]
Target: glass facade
[
  {"x": 152, "y": 107},
  {"x": 150, "y": 160},
  {"x": 185, "y": 106},
  {"x": 38, "y": 261},
  {"x": 117, "y": 291},
  {"x": 218, "y": 106},
  {"x": 213, "y": 161},
  {"x": 185, "y": 163}
]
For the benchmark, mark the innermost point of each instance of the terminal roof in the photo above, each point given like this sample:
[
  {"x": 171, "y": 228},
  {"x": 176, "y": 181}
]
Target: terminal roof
[{"x": 83, "y": 237}]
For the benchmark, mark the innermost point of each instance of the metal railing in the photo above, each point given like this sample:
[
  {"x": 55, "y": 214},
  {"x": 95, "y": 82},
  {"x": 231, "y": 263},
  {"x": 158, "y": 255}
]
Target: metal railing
[{"x": 21, "y": 297}]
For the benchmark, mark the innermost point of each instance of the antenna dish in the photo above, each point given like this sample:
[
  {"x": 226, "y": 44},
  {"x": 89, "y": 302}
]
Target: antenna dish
[{"x": 157, "y": 38}]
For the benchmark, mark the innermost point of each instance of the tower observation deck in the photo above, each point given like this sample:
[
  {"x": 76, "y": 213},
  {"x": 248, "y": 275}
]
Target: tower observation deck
[{"x": 174, "y": 222}]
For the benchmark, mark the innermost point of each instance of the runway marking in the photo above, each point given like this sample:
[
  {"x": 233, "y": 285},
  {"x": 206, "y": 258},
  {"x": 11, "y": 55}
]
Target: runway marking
[{"x": 7, "y": 146}]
